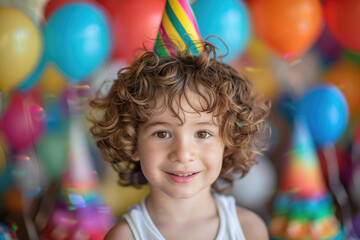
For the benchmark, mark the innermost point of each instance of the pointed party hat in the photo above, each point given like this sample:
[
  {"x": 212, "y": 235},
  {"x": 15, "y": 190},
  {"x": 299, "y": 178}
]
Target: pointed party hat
[
  {"x": 179, "y": 26},
  {"x": 303, "y": 208},
  {"x": 80, "y": 211},
  {"x": 302, "y": 173}
]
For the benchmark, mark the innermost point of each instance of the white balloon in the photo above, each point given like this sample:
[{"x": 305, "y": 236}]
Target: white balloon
[
  {"x": 257, "y": 187},
  {"x": 103, "y": 78}
]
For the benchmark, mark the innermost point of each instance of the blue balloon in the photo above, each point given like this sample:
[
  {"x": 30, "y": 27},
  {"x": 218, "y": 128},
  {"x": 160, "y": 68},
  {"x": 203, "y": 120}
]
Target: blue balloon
[
  {"x": 227, "y": 19},
  {"x": 78, "y": 39},
  {"x": 326, "y": 111}
]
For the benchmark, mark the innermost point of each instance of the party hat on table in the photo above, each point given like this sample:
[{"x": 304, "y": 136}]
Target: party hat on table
[
  {"x": 303, "y": 208},
  {"x": 178, "y": 26}
]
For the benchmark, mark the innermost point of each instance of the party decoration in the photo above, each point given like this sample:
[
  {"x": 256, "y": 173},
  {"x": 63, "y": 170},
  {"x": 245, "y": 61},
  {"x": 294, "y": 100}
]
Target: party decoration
[
  {"x": 53, "y": 5},
  {"x": 228, "y": 20},
  {"x": 7, "y": 233},
  {"x": 326, "y": 111},
  {"x": 35, "y": 76},
  {"x": 102, "y": 80},
  {"x": 346, "y": 76},
  {"x": 114, "y": 193},
  {"x": 80, "y": 210},
  {"x": 22, "y": 121},
  {"x": 342, "y": 17},
  {"x": 135, "y": 24},
  {"x": 178, "y": 25},
  {"x": 256, "y": 62},
  {"x": 303, "y": 207},
  {"x": 27, "y": 173},
  {"x": 288, "y": 27},
  {"x": 255, "y": 190},
  {"x": 21, "y": 47},
  {"x": 78, "y": 47},
  {"x": 52, "y": 81}
]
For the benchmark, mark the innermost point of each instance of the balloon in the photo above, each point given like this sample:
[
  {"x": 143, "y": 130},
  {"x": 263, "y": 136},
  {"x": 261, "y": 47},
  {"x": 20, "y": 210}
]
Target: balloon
[
  {"x": 120, "y": 198},
  {"x": 326, "y": 112},
  {"x": 228, "y": 20},
  {"x": 52, "y": 81},
  {"x": 103, "y": 78},
  {"x": 342, "y": 17},
  {"x": 78, "y": 39},
  {"x": 21, "y": 47},
  {"x": 53, "y": 5},
  {"x": 289, "y": 27},
  {"x": 134, "y": 23},
  {"x": 22, "y": 120},
  {"x": 346, "y": 77},
  {"x": 256, "y": 61},
  {"x": 32, "y": 80},
  {"x": 257, "y": 187}
]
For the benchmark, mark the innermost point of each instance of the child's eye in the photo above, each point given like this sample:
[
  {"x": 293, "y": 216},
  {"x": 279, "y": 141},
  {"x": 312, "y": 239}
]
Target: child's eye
[
  {"x": 203, "y": 134},
  {"x": 161, "y": 134}
]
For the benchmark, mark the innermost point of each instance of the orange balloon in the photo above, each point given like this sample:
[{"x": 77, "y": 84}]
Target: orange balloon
[
  {"x": 346, "y": 76},
  {"x": 288, "y": 27}
]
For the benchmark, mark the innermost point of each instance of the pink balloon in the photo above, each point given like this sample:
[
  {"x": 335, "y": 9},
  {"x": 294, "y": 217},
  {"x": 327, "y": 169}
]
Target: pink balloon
[{"x": 22, "y": 121}]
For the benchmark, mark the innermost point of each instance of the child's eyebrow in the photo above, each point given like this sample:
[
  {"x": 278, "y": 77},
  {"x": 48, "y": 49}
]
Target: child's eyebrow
[
  {"x": 206, "y": 123},
  {"x": 152, "y": 124}
]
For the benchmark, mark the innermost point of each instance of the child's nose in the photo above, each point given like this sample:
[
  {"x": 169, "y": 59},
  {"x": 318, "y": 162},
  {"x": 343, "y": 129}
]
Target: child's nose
[{"x": 182, "y": 151}]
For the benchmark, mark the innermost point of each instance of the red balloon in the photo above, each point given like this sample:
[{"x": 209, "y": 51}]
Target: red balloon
[
  {"x": 22, "y": 121},
  {"x": 53, "y": 5},
  {"x": 134, "y": 23},
  {"x": 342, "y": 17}
]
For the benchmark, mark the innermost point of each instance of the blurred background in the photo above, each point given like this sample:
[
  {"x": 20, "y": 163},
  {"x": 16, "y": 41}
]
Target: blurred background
[{"x": 303, "y": 55}]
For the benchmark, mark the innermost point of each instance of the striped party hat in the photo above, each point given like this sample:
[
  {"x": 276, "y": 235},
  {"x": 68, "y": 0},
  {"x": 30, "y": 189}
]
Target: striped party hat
[{"x": 178, "y": 27}]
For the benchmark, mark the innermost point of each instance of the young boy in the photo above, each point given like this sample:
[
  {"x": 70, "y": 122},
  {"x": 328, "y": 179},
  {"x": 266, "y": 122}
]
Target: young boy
[{"x": 185, "y": 125}]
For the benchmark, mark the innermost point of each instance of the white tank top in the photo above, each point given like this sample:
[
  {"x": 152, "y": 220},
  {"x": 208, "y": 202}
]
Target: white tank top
[{"x": 143, "y": 227}]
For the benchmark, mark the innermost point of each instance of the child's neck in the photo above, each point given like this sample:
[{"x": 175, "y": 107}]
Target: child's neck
[{"x": 162, "y": 207}]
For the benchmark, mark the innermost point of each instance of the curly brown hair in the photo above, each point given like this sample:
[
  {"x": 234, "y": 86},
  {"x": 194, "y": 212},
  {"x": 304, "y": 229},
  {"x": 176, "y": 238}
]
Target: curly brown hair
[{"x": 240, "y": 112}]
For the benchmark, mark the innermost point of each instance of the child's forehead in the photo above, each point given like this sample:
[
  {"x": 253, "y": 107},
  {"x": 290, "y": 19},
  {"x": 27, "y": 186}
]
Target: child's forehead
[{"x": 190, "y": 106}]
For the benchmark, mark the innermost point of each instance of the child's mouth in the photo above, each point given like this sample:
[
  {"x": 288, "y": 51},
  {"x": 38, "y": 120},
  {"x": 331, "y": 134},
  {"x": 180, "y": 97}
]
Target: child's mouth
[{"x": 182, "y": 177}]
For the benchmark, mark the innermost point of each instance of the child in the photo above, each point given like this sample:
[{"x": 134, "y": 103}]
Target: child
[{"x": 185, "y": 125}]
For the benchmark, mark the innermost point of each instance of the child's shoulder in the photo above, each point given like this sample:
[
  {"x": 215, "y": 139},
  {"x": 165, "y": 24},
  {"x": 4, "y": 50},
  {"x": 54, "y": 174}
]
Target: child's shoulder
[
  {"x": 253, "y": 226},
  {"x": 121, "y": 230}
]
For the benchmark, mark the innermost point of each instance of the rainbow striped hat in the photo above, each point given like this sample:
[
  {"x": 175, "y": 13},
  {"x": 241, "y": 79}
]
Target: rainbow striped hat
[{"x": 178, "y": 27}]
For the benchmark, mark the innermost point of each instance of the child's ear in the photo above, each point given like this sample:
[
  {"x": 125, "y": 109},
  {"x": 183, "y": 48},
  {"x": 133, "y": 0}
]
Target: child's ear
[{"x": 135, "y": 157}]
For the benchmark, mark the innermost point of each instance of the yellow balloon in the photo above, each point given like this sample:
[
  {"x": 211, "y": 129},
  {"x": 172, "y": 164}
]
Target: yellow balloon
[
  {"x": 120, "y": 198},
  {"x": 52, "y": 81},
  {"x": 20, "y": 47}
]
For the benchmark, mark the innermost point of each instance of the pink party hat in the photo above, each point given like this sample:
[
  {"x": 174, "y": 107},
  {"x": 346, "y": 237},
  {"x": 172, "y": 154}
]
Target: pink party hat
[{"x": 179, "y": 27}]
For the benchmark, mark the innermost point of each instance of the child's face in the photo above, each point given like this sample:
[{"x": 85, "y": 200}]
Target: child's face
[{"x": 177, "y": 159}]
